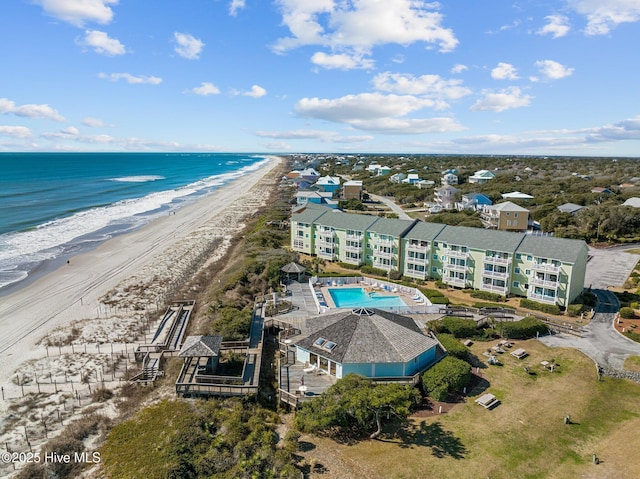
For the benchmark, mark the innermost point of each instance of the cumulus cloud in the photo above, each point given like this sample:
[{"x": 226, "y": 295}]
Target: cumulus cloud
[
  {"x": 133, "y": 79},
  {"x": 602, "y": 17},
  {"x": 30, "y": 110},
  {"x": 504, "y": 71},
  {"x": 459, "y": 68},
  {"x": 205, "y": 89},
  {"x": 256, "y": 92},
  {"x": 429, "y": 86},
  {"x": 187, "y": 46},
  {"x": 64, "y": 134},
  {"x": 15, "y": 131},
  {"x": 356, "y": 27},
  {"x": 234, "y": 6},
  {"x": 101, "y": 43},
  {"x": 342, "y": 61},
  {"x": 93, "y": 122},
  {"x": 557, "y": 26},
  {"x": 628, "y": 129},
  {"x": 319, "y": 135},
  {"x": 506, "y": 99},
  {"x": 376, "y": 112},
  {"x": 79, "y": 12},
  {"x": 553, "y": 70}
]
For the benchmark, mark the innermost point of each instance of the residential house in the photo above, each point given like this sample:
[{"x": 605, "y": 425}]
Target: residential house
[
  {"x": 517, "y": 196},
  {"x": 482, "y": 176},
  {"x": 330, "y": 184},
  {"x": 473, "y": 201},
  {"x": 424, "y": 184},
  {"x": 352, "y": 189},
  {"x": 317, "y": 197},
  {"x": 506, "y": 216},
  {"x": 570, "y": 208},
  {"x": 369, "y": 342},
  {"x": 445, "y": 196},
  {"x": 412, "y": 179},
  {"x": 310, "y": 174},
  {"x": 397, "y": 177},
  {"x": 635, "y": 202},
  {"x": 599, "y": 189},
  {"x": 449, "y": 179}
]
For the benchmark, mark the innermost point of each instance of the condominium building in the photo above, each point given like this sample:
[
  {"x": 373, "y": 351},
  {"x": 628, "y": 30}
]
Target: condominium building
[{"x": 544, "y": 269}]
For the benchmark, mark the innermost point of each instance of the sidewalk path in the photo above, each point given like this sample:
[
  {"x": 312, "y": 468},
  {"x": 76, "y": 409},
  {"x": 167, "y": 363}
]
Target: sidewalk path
[{"x": 391, "y": 204}]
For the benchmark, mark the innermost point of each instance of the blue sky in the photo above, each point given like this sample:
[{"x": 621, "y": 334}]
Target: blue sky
[{"x": 388, "y": 76}]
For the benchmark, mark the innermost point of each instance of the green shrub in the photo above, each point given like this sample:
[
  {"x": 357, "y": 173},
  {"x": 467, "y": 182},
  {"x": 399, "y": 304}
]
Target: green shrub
[
  {"x": 574, "y": 310},
  {"x": 373, "y": 271},
  {"x": 440, "y": 284},
  {"x": 545, "y": 308},
  {"x": 526, "y": 328},
  {"x": 439, "y": 300},
  {"x": 459, "y": 327},
  {"x": 627, "y": 313},
  {"x": 347, "y": 265},
  {"x": 450, "y": 374},
  {"x": 487, "y": 295},
  {"x": 482, "y": 304},
  {"x": 453, "y": 346},
  {"x": 431, "y": 293}
]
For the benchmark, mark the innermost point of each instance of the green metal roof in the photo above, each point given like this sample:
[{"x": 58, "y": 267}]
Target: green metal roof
[
  {"x": 561, "y": 249},
  {"x": 346, "y": 221},
  {"x": 482, "y": 239},
  {"x": 391, "y": 226},
  {"x": 424, "y": 231}
]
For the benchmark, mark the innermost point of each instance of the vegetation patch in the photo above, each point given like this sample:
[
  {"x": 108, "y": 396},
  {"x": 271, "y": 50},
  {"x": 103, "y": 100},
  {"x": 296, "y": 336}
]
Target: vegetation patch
[{"x": 545, "y": 308}]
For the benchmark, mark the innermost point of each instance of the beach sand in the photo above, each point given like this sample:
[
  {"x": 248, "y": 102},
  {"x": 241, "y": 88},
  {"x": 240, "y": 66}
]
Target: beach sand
[{"x": 106, "y": 292}]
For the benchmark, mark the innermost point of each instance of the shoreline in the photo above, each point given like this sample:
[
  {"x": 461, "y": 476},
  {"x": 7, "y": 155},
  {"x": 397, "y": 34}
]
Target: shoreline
[{"x": 130, "y": 272}]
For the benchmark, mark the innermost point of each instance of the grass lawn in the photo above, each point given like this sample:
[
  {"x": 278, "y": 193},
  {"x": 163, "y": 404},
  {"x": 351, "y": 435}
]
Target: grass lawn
[{"x": 523, "y": 437}]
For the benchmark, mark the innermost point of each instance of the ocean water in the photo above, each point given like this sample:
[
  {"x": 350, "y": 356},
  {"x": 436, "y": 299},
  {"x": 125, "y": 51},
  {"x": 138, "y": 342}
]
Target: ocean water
[{"x": 53, "y": 205}]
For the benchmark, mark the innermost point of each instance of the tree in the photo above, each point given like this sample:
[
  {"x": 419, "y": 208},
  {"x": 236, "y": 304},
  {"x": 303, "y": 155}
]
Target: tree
[
  {"x": 450, "y": 374},
  {"x": 356, "y": 405}
]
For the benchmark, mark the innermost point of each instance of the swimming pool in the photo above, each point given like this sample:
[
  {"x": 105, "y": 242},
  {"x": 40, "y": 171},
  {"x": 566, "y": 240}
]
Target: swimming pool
[{"x": 359, "y": 298}]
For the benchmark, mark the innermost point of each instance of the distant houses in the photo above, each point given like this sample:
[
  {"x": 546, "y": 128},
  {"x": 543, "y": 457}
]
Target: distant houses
[
  {"x": 473, "y": 201},
  {"x": 506, "y": 216},
  {"x": 570, "y": 208},
  {"x": 445, "y": 196},
  {"x": 482, "y": 176},
  {"x": 634, "y": 202}
]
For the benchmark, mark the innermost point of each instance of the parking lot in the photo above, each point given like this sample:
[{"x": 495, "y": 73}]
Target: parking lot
[{"x": 610, "y": 267}]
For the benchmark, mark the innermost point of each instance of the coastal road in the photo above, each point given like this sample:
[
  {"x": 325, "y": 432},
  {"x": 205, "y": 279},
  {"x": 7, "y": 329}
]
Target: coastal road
[
  {"x": 392, "y": 205},
  {"x": 601, "y": 342}
]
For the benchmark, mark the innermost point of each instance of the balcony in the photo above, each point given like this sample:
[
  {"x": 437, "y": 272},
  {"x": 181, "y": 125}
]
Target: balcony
[
  {"x": 354, "y": 237},
  {"x": 456, "y": 253},
  {"x": 412, "y": 273},
  {"x": 455, "y": 267},
  {"x": 416, "y": 248},
  {"x": 330, "y": 255},
  {"x": 543, "y": 298},
  {"x": 496, "y": 260},
  {"x": 461, "y": 282},
  {"x": 383, "y": 242},
  {"x": 384, "y": 254},
  {"x": 356, "y": 261},
  {"x": 495, "y": 274},
  {"x": 381, "y": 265},
  {"x": 353, "y": 249},
  {"x": 494, "y": 289},
  {"x": 544, "y": 282},
  {"x": 416, "y": 260},
  {"x": 548, "y": 267}
]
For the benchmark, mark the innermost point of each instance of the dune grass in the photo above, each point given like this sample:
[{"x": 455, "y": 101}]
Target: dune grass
[{"x": 525, "y": 436}]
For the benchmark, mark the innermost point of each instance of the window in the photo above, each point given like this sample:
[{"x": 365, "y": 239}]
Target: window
[
  {"x": 518, "y": 256},
  {"x": 516, "y": 284},
  {"x": 435, "y": 256},
  {"x": 515, "y": 215},
  {"x": 527, "y": 272},
  {"x": 434, "y": 269},
  {"x": 329, "y": 345},
  {"x": 319, "y": 342},
  {"x": 529, "y": 257},
  {"x": 516, "y": 270}
]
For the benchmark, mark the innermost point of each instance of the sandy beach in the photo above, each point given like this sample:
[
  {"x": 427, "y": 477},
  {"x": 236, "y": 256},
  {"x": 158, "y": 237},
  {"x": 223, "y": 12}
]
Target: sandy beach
[{"x": 105, "y": 292}]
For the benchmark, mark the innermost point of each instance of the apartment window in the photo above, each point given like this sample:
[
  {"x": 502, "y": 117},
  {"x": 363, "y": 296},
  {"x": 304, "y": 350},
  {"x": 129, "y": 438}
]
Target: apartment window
[
  {"x": 516, "y": 284},
  {"x": 434, "y": 269},
  {"x": 518, "y": 256},
  {"x": 529, "y": 257},
  {"x": 300, "y": 233},
  {"x": 516, "y": 270},
  {"x": 298, "y": 244},
  {"x": 435, "y": 256},
  {"x": 527, "y": 272}
]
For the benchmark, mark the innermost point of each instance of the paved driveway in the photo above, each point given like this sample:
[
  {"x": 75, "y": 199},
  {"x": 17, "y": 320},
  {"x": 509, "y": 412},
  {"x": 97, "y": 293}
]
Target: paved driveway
[
  {"x": 601, "y": 342},
  {"x": 609, "y": 267}
]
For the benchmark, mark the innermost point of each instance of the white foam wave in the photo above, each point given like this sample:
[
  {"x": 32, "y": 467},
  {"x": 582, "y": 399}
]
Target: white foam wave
[
  {"x": 45, "y": 241},
  {"x": 137, "y": 179}
]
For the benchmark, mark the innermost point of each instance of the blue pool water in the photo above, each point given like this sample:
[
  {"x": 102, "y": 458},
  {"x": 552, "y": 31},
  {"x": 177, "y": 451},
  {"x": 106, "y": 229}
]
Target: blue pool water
[{"x": 359, "y": 298}]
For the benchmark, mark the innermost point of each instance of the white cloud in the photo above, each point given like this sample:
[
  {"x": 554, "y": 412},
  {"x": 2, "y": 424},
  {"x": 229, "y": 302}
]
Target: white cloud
[
  {"x": 70, "y": 132},
  {"x": 320, "y": 135},
  {"x": 459, "y": 68},
  {"x": 623, "y": 130},
  {"x": 93, "y": 122},
  {"x": 504, "y": 71},
  {"x": 604, "y": 16},
  {"x": 101, "y": 43},
  {"x": 236, "y": 5},
  {"x": 205, "y": 89},
  {"x": 188, "y": 46},
  {"x": 376, "y": 112},
  {"x": 133, "y": 79},
  {"x": 30, "y": 110},
  {"x": 15, "y": 131},
  {"x": 557, "y": 26},
  {"x": 429, "y": 86},
  {"x": 553, "y": 70},
  {"x": 256, "y": 92},
  {"x": 79, "y": 12},
  {"x": 506, "y": 99},
  {"x": 358, "y": 26},
  {"x": 342, "y": 61}
]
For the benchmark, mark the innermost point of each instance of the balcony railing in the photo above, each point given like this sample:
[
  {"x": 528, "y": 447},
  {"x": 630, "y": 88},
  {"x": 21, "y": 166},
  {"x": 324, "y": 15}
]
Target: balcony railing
[
  {"x": 542, "y": 298},
  {"x": 495, "y": 274},
  {"x": 416, "y": 260},
  {"x": 327, "y": 255},
  {"x": 415, "y": 273},
  {"x": 455, "y": 281},
  {"x": 354, "y": 237},
  {"x": 417, "y": 248},
  {"x": 349, "y": 260},
  {"x": 548, "y": 267},
  {"x": 455, "y": 267},
  {"x": 353, "y": 249},
  {"x": 456, "y": 253},
  {"x": 496, "y": 260},
  {"x": 381, "y": 265},
  {"x": 493, "y": 288},
  {"x": 383, "y": 242},
  {"x": 384, "y": 254},
  {"x": 544, "y": 282}
]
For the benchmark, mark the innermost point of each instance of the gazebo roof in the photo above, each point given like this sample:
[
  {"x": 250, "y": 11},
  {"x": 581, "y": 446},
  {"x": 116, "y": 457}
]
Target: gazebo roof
[
  {"x": 293, "y": 268},
  {"x": 200, "y": 346}
]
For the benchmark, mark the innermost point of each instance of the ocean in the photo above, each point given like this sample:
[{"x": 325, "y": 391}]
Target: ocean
[{"x": 55, "y": 205}]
